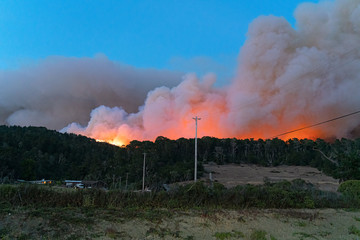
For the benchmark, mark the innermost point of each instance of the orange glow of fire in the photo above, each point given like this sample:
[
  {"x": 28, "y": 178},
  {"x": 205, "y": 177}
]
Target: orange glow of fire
[
  {"x": 211, "y": 125},
  {"x": 208, "y": 128},
  {"x": 116, "y": 142}
]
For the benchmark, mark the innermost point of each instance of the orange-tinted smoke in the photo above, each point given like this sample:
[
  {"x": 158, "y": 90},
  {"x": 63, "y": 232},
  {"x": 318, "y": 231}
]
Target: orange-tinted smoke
[{"x": 286, "y": 79}]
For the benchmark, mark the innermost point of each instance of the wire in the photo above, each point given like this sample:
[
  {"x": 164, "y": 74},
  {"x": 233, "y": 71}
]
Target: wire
[{"x": 317, "y": 124}]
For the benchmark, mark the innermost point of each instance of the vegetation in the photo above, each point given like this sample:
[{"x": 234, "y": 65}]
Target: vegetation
[
  {"x": 229, "y": 235},
  {"x": 137, "y": 223},
  {"x": 303, "y": 236},
  {"x": 354, "y": 230},
  {"x": 350, "y": 189},
  {"x": 258, "y": 235},
  {"x": 295, "y": 194},
  {"x": 34, "y": 153}
]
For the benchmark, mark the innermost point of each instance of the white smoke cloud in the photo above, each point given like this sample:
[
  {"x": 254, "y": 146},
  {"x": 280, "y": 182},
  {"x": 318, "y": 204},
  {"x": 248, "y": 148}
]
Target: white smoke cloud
[
  {"x": 60, "y": 90},
  {"x": 300, "y": 76},
  {"x": 167, "y": 112},
  {"x": 287, "y": 78}
]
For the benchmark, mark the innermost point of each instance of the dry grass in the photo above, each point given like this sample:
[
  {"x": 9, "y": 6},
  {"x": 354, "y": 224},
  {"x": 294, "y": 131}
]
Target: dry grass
[
  {"x": 195, "y": 224},
  {"x": 231, "y": 175},
  {"x": 115, "y": 223}
]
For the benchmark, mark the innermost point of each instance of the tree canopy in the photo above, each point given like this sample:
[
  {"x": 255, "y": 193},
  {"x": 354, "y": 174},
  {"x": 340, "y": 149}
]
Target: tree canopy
[{"x": 34, "y": 153}]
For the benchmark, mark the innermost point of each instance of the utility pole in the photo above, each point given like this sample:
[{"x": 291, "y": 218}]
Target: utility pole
[
  {"x": 196, "y": 118},
  {"x": 143, "y": 183}
]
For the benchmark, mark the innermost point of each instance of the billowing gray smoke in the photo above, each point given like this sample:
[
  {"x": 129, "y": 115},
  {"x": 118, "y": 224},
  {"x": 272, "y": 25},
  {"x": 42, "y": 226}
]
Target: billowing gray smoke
[
  {"x": 287, "y": 78},
  {"x": 60, "y": 90}
]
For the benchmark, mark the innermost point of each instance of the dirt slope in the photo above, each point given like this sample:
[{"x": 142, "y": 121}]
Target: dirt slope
[{"x": 231, "y": 175}]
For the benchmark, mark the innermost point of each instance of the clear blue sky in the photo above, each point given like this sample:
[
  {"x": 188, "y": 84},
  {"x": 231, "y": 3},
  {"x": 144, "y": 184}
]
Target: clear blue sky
[{"x": 196, "y": 35}]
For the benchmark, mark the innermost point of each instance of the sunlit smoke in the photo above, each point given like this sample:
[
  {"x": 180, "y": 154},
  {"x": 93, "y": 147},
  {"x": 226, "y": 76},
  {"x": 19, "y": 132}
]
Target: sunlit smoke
[{"x": 287, "y": 78}]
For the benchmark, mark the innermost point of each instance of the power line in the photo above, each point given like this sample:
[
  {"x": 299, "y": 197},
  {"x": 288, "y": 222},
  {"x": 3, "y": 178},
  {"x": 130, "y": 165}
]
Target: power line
[
  {"x": 317, "y": 124},
  {"x": 294, "y": 84}
]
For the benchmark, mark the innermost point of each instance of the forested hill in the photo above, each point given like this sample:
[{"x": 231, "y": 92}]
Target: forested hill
[{"x": 35, "y": 153}]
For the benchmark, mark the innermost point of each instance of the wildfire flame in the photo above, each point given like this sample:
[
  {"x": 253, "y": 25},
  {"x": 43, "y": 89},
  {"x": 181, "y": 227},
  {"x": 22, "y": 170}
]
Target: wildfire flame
[{"x": 116, "y": 142}]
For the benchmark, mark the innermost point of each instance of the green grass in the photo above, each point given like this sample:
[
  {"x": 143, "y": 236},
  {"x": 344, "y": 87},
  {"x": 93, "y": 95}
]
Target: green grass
[
  {"x": 112, "y": 233},
  {"x": 303, "y": 236},
  {"x": 354, "y": 230},
  {"x": 4, "y": 232},
  {"x": 222, "y": 235},
  {"x": 162, "y": 232},
  {"x": 324, "y": 234},
  {"x": 228, "y": 235},
  {"x": 301, "y": 224},
  {"x": 258, "y": 235},
  {"x": 155, "y": 215}
]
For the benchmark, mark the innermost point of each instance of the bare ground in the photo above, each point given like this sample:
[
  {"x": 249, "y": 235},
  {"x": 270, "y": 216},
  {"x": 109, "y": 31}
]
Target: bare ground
[
  {"x": 232, "y": 174},
  {"x": 196, "y": 224}
]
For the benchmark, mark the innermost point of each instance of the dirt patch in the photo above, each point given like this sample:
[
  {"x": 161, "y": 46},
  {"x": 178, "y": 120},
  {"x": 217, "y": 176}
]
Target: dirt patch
[{"x": 232, "y": 175}]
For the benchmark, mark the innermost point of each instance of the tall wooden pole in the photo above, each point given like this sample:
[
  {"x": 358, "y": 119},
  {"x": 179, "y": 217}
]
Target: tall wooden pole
[
  {"x": 143, "y": 181},
  {"x": 195, "y": 170}
]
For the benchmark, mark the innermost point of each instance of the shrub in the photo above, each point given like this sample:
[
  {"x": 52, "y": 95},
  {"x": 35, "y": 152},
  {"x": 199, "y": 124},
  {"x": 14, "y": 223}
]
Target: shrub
[
  {"x": 353, "y": 230},
  {"x": 258, "y": 235},
  {"x": 351, "y": 189},
  {"x": 270, "y": 195}
]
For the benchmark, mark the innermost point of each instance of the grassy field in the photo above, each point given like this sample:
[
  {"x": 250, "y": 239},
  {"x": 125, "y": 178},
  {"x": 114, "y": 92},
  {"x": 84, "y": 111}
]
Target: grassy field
[
  {"x": 194, "y": 211},
  {"x": 90, "y": 223}
]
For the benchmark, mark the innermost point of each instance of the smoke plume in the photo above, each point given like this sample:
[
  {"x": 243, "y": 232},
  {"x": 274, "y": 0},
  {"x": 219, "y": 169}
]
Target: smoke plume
[
  {"x": 287, "y": 78},
  {"x": 60, "y": 90}
]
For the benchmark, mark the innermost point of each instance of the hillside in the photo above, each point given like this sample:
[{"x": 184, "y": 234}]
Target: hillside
[
  {"x": 34, "y": 153},
  {"x": 231, "y": 175}
]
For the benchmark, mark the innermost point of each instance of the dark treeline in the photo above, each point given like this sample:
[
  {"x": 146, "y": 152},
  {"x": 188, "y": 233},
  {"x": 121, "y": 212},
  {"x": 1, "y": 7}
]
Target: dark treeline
[
  {"x": 34, "y": 153},
  {"x": 340, "y": 158}
]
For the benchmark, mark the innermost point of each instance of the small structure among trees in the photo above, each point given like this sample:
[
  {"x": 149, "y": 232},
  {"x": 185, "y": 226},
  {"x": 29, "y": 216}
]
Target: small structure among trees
[
  {"x": 85, "y": 184},
  {"x": 42, "y": 181}
]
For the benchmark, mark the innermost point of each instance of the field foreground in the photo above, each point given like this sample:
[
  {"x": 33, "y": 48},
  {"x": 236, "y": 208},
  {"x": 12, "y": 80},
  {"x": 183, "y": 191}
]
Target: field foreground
[
  {"x": 90, "y": 223},
  {"x": 80, "y": 215}
]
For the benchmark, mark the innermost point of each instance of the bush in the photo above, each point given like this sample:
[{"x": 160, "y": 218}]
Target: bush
[
  {"x": 350, "y": 189},
  {"x": 284, "y": 194}
]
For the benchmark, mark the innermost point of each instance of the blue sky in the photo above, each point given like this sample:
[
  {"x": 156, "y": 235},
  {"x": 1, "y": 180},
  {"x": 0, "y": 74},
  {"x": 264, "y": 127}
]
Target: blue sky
[{"x": 182, "y": 35}]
